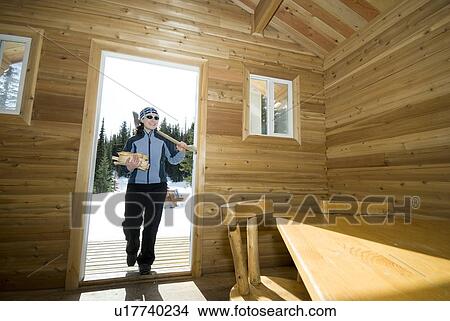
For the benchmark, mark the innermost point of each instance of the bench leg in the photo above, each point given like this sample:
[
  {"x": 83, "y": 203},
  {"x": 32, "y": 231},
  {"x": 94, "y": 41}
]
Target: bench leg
[
  {"x": 253, "y": 251},
  {"x": 240, "y": 268}
]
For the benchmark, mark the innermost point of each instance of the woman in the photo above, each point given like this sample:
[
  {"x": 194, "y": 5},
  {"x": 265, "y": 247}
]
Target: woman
[{"x": 146, "y": 190}]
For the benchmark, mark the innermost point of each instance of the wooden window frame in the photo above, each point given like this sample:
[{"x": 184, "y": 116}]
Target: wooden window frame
[
  {"x": 270, "y": 107},
  {"x": 29, "y": 86},
  {"x": 266, "y": 72}
]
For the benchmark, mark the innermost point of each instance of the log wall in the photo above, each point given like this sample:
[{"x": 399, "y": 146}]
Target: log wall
[
  {"x": 38, "y": 162},
  {"x": 388, "y": 110}
]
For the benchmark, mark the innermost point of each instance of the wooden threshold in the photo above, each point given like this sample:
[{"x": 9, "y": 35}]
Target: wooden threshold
[{"x": 106, "y": 262}]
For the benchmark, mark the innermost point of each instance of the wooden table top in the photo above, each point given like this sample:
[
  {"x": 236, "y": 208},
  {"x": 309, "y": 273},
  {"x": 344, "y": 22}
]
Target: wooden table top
[{"x": 372, "y": 262}]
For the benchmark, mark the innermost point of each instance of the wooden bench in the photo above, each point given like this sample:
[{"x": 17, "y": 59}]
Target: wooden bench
[
  {"x": 371, "y": 261},
  {"x": 173, "y": 197},
  {"x": 250, "y": 285}
]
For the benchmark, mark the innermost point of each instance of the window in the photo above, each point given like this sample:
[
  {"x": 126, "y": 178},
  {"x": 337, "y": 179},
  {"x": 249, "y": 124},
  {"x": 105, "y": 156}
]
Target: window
[
  {"x": 270, "y": 106},
  {"x": 20, "y": 52},
  {"x": 14, "y": 53}
]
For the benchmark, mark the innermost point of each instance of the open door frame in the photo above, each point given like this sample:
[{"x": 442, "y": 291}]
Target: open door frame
[{"x": 73, "y": 273}]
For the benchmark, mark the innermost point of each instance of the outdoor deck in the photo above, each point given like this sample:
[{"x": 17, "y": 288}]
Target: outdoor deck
[{"x": 107, "y": 259}]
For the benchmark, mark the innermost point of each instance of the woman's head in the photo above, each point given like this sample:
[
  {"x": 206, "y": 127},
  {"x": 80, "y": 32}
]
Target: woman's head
[{"x": 149, "y": 117}]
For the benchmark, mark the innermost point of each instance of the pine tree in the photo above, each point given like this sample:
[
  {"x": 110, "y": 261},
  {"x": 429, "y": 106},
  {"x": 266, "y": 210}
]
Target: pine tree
[
  {"x": 108, "y": 153},
  {"x": 100, "y": 146},
  {"x": 187, "y": 164},
  {"x": 114, "y": 147},
  {"x": 124, "y": 133},
  {"x": 264, "y": 115},
  {"x": 122, "y": 137},
  {"x": 163, "y": 126},
  {"x": 103, "y": 179},
  {"x": 173, "y": 171},
  {"x": 176, "y": 132},
  {"x": 9, "y": 87},
  {"x": 5, "y": 80}
]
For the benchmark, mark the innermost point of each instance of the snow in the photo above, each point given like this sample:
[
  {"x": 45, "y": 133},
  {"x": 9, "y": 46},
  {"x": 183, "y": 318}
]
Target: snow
[
  {"x": 121, "y": 184},
  {"x": 175, "y": 221},
  {"x": 182, "y": 187}
]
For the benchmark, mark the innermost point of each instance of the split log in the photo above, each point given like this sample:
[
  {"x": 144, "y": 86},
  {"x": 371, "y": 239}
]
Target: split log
[{"x": 124, "y": 156}]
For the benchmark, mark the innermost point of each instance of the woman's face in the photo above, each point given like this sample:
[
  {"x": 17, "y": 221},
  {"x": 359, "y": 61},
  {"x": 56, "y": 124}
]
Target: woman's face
[{"x": 151, "y": 123}]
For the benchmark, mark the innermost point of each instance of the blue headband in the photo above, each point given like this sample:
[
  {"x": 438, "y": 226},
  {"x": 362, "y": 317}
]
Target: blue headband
[{"x": 146, "y": 111}]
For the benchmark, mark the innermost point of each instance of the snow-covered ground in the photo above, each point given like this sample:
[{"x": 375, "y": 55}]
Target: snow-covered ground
[{"x": 175, "y": 221}]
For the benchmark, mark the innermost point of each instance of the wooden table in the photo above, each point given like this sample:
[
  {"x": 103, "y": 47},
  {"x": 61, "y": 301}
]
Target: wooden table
[{"x": 372, "y": 262}]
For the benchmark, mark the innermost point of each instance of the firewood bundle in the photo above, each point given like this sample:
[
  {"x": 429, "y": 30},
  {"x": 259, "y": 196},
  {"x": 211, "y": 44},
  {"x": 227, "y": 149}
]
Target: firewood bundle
[{"x": 124, "y": 156}]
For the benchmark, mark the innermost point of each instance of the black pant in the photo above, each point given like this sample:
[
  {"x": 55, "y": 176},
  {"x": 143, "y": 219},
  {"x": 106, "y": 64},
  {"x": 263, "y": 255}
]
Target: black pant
[{"x": 147, "y": 199}]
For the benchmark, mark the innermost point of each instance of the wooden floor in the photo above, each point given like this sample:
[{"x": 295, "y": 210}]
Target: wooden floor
[
  {"x": 107, "y": 259},
  {"x": 209, "y": 287}
]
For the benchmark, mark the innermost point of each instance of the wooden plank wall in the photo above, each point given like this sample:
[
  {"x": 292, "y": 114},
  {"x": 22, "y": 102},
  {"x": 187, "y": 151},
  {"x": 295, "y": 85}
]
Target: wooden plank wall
[
  {"x": 38, "y": 162},
  {"x": 388, "y": 112}
]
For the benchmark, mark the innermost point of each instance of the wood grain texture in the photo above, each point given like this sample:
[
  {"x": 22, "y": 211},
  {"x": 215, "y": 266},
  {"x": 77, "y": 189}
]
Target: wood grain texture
[
  {"x": 380, "y": 126},
  {"x": 382, "y": 22},
  {"x": 31, "y": 70},
  {"x": 364, "y": 8},
  {"x": 264, "y": 12},
  {"x": 371, "y": 261},
  {"x": 315, "y": 24},
  {"x": 39, "y": 164},
  {"x": 240, "y": 266},
  {"x": 105, "y": 259},
  {"x": 388, "y": 112},
  {"x": 272, "y": 289},
  {"x": 326, "y": 17}
]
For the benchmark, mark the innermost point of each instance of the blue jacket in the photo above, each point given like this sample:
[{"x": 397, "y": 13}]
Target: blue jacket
[{"x": 158, "y": 150}]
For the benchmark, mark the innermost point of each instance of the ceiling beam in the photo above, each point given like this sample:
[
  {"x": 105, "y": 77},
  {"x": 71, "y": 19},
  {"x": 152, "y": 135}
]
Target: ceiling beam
[
  {"x": 377, "y": 26},
  {"x": 264, "y": 12},
  {"x": 284, "y": 27},
  {"x": 246, "y": 5}
]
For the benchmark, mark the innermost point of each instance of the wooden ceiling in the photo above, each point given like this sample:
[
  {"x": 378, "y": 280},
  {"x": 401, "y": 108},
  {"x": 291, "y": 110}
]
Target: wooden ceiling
[{"x": 318, "y": 25}]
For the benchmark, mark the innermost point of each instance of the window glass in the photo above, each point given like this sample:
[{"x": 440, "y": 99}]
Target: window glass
[
  {"x": 280, "y": 109},
  {"x": 13, "y": 55},
  {"x": 258, "y": 106},
  {"x": 270, "y": 106}
]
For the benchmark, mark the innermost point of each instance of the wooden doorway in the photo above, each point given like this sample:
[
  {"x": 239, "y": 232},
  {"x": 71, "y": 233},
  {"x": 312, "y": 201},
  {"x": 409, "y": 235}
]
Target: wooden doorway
[{"x": 78, "y": 234}]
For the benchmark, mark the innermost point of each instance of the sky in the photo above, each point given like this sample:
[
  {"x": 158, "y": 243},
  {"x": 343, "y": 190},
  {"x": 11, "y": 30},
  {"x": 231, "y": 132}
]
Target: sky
[{"x": 171, "y": 89}]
